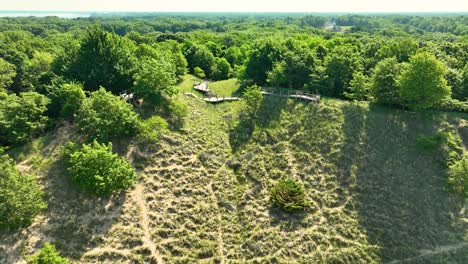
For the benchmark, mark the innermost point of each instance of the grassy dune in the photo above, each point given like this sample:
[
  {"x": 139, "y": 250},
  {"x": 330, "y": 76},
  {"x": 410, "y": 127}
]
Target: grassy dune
[{"x": 202, "y": 195}]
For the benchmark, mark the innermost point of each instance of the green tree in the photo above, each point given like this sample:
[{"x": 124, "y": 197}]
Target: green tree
[
  {"x": 197, "y": 71},
  {"x": 22, "y": 117},
  {"x": 423, "y": 84},
  {"x": 155, "y": 78},
  {"x": 21, "y": 198},
  {"x": 97, "y": 170},
  {"x": 105, "y": 117},
  {"x": 264, "y": 53},
  {"x": 38, "y": 70},
  {"x": 383, "y": 84},
  {"x": 47, "y": 255},
  {"x": 221, "y": 69},
  {"x": 7, "y": 74},
  {"x": 104, "y": 59},
  {"x": 253, "y": 98},
  {"x": 358, "y": 87},
  {"x": 289, "y": 195},
  {"x": 340, "y": 65},
  {"x": 66, "y": 99}
]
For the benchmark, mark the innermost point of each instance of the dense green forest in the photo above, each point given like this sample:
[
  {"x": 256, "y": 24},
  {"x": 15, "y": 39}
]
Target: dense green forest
[{"x": 98, "y": 115}]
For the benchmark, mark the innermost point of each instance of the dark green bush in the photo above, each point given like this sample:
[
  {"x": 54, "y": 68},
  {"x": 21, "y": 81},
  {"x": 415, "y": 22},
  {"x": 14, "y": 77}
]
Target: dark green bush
[
  {"x": 444, "y": 144},
  {"x": 22, "y": 117},
  {"x": 20, "y": 196},
  {"x": 458, "y": 176},
  {"x": 288, "y": 195},
  {"x": 47, "y": 255},
  {"x": 452, "y": 105},
  {"x": 99, "y": 171},
  {"x": 66, "y": 99},
  {"x": 105, "y": 117}
]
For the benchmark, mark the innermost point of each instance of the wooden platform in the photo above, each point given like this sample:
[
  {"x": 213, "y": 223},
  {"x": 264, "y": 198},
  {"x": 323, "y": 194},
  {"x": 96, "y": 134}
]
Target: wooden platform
[
  {"x": 295, "y": 94},
  {"x": 220, "y": 99},
  {"x": 202, "y": 87}
]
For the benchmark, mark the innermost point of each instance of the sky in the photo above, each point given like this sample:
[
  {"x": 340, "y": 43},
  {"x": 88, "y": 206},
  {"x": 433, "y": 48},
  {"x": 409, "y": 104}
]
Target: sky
[{"x": 238, "y": 5}]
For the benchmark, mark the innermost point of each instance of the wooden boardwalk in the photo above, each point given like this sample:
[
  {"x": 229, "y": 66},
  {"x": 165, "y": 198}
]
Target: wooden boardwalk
[
  {"x": 210, "y": 97},
  {"x": 220, "y": 99},
  {"x": 296, "y": 95}
]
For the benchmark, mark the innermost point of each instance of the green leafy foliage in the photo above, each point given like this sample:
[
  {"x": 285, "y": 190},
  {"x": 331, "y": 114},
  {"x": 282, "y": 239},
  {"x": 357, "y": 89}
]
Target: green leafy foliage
[
  {"x": 66, "y": 99},
  {"x": 253, "y": 98},
  {"x": 197, "y": 71},
  {"x": 151, "y": 129},
  {"x": 422, "y": 83},
  {"x": 458, "y": 176},
  {"x": 47, "y": 255},
  {"x": 155, "y": 78},
  {"x": 7, "y": 73},
  {"x": 22, "y": 117},
  {"x": 104, "y": 117},
  {"x": 104, "y": 59},
  {"x": 358, "y": 87},
  {"x": 340, "y": 65},
  {"x": 383, "y": 84},
  {"x": 289, "y": 195},
  {"x": 97, "y": 170},
  {"x": 21, "y": 198},
  {"x": 177, "y": 112}
]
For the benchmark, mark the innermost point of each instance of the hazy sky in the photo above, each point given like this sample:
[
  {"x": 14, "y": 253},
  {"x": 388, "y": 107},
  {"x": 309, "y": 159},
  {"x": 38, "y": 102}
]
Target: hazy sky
[{"x": 240, "y": 5}]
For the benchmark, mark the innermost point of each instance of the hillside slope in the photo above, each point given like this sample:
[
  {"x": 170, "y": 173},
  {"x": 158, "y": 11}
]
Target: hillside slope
[{"x": 202, "y": 193}]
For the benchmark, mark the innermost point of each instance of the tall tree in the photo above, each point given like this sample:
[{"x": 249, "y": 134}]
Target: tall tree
[
  {"x": 7, "y": 73},
  {"x": 423, "y": 84},
  {"x": 383, "y": 84},
  {"x": 104, "y": 59}
]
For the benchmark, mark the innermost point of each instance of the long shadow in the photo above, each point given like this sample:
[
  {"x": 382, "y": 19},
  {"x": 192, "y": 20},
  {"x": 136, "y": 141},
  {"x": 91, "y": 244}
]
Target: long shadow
[
  {"x": 399, "y": 193},
  {"x": 76, "y": 221},
  {"x": 268, "y": 112}
]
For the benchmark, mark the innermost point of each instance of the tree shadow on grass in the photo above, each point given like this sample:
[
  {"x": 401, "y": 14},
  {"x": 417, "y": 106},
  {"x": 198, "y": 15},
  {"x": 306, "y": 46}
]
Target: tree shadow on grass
[
  {"x": 399, "y": 193},
  {"x": 268, "y": 112}
]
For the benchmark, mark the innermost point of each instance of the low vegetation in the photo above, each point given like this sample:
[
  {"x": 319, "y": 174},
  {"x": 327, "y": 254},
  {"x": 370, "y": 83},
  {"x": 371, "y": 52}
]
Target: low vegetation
[
  {"x": 47, "y": 255},
  {"x": 97, "y": 170},
  {"x": 288, "y": 195},
  {"x": 21, "y": 197}
]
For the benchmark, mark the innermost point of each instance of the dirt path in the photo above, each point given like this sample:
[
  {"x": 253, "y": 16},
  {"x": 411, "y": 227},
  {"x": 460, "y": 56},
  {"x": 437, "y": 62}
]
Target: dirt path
[
  {"x": 140, "y": 200},
  {"x": 427, "y": 252}
]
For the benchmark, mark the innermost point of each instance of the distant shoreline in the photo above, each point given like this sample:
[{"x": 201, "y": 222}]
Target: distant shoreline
[{"x": 85, "y": 14}]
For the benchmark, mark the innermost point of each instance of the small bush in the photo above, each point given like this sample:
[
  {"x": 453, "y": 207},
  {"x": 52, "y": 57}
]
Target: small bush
[
  {"x": 444, "y": 143},
  {"x": 288, "y": 195},
  {"x": 66, "y": 99},
  {"x": 151, "y": 129},
  {"x": 105, "y": 117},
  {"x": 47, "y": 255},
  {"x": 458, "y": 176},
  {"x": 452, "y": 105},
  {"x": 178, "y": 111},
  {"x": 20, "y": 196},
  {"x": 253, "y": 98},
  {"x": 99, "y": 171},
  {"x": 197, "y": 71}
]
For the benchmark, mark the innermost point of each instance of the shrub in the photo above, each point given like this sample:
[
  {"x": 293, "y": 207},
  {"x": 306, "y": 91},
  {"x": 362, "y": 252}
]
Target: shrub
[
  {"x": 445, "y": 144},
  {"x": 20, "y": 196},
  {"x": 178, "y": 111},
  {"x": 99, "y": 171},
  {"x": 458, "y": 176},
  {"x": 151, "y": 129},
  {"x": 104, "y": 117},
  {"x": 452, "y": 105},
  {"x": 253, "y": 98},
  {"x": 47, "y": 255},
  {"x": 22, "y": 117},
  {"x": 288, "y": 195},
  {"x": 197, "y": 71}
]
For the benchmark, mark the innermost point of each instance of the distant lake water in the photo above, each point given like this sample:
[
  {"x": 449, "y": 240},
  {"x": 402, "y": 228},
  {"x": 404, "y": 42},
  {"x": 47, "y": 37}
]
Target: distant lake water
[{"x": 43, "y": 14}]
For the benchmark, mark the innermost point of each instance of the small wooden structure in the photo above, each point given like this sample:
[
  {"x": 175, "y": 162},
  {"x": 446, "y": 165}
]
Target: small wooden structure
[
  {"x": 300, "y": 95},
  {"x": 210, "y": 97}
]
